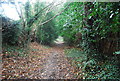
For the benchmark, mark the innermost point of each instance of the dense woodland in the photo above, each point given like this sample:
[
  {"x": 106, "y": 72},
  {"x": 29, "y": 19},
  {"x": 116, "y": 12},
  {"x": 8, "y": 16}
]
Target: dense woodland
[{"x": 90, "y": 29}]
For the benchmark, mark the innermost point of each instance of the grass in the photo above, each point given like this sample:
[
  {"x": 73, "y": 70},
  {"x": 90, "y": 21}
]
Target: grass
[
  {"x": 73, "y": 53},
  {"x": 76, "y": 55}
]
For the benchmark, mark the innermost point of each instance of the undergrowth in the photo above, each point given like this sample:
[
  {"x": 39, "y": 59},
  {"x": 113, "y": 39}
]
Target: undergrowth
[
  {"x": 92, "y": 68},
  {"x": 14, "y": 51}
]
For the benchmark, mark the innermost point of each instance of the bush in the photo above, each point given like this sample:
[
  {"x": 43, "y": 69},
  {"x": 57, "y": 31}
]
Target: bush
[
  {"x": 10, "y": 31},
  {"x": 47, "y": 33}
]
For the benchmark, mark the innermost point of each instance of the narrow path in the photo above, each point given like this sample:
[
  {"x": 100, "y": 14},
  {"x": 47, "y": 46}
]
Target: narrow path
[
  {"x": 54, "y": 63},
  {"x": 43, "y": 62}
]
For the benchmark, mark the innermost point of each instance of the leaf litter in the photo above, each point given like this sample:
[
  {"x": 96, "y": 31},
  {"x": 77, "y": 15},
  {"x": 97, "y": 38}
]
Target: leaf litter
[{"x": 41, "y": 63}]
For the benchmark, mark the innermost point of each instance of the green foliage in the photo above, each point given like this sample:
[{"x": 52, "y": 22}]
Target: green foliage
[
  {"x": 99, "y": 25},
  {"x": 97, "y": 22},
  {"x": 73, "y": 52},
  {"x": 76, "y": 56},
  {"x": 92, "y": 68},
  {"x": 102, "y": 70},
  {"x": 70, "y": 23},
  {"x": 47, "y": 32},
  {"x": 102, "y": 28},
  {"x": 14, "y": 51},
  {"x": 27, "y": 10},
  {"x": 38, "y": 6},
  {"x": 10, "y": 31},
  {"x": 101, "y": 37}
]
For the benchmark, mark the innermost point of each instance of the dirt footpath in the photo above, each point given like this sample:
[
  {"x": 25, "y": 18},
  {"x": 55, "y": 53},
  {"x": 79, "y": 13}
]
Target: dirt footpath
[{"x": 54, "y": 63}]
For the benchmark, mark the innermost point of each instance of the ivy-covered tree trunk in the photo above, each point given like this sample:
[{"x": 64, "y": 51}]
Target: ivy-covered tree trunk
[
  {"x": 101, "y": 36},
  {"x": 87, "y": 27},
  {"x": 109, "y": 44}
]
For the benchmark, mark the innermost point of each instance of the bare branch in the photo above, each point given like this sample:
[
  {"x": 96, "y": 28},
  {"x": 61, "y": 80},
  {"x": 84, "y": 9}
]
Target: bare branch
[
  {"x": 50, "y": 9},
  {"x": 17, "y": 10},
  {"x": 55, "y": 15},
  {"x": 36, "y": 16}
]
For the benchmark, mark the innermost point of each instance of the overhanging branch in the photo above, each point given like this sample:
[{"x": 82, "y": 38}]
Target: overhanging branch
[
  {"x": 55, "y": 15},
  {"x": 31, "y": 21}
]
